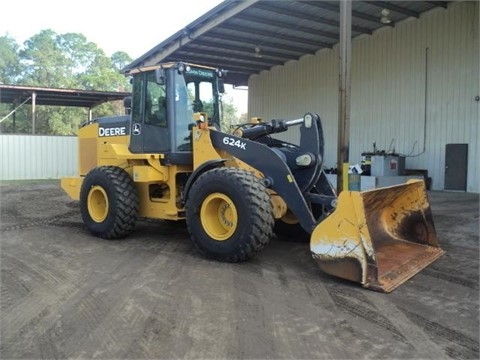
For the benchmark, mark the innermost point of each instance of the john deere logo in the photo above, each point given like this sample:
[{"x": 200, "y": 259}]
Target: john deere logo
[
  {"x": 137, "y": 129},
  {"x": 112, "y": 131}
]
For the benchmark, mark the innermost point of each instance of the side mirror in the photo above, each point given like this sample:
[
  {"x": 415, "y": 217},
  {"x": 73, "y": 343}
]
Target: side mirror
[
  {"x": 160, "y": 76},
  {"x": 221, "y": 86}
]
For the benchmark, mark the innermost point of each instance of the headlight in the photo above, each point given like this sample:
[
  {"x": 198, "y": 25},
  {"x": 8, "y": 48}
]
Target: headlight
[{"x": 181, "y": 67}]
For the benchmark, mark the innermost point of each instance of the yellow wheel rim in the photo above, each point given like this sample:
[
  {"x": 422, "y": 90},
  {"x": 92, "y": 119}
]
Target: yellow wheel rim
[
  {"x": 97, "y": 203},
  {"x": 219, "y": 216}
]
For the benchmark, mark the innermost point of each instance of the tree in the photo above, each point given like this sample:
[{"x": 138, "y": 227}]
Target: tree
[
  {"x": 120, "y": 60},
  {"x": 68, "y": 60},
  {"x": 228, "y": 111},
  {"x": 10, "y": 66},
  {"x": 229, "y": 114},
  {"x": 45, "y": 63}
]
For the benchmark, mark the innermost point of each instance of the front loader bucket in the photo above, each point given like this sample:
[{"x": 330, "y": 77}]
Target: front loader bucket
[{"x": 379, "y": 238}]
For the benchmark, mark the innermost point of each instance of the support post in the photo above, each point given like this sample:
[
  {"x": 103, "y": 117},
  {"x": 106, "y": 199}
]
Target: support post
[
  {"x": 14, "y": 120},
  {"x": 34, "y": 98},
  {"x": 345, "y": 48}
]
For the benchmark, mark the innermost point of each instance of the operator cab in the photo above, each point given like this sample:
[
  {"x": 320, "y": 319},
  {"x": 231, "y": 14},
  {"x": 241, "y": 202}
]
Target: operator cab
[{"x": 164, "y": 99}]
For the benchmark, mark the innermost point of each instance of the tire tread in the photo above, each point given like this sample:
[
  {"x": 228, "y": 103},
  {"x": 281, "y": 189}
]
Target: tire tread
[
  {"x": 126, "y": 205},
  {"x": 260, "y": 206}
]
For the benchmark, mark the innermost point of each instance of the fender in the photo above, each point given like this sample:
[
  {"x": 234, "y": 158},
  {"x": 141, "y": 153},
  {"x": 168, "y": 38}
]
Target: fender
[{"x": 208, "y": 165}]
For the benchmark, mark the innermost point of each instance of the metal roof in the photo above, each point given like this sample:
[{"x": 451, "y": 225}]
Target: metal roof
[
  {"x": 14, "y": 94},
  {"x": 246, "y": 37}
]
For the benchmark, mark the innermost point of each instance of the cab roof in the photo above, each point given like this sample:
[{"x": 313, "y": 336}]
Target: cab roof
[{"x": 166, "y": 65}]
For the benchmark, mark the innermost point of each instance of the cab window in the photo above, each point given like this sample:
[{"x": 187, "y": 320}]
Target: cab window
[{"x": 155, "y": 102}]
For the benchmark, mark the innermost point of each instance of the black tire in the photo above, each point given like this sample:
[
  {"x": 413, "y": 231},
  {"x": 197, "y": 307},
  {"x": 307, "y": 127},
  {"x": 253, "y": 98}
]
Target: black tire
[
  {"x": 109, "y": 202},
  {"x": 229, "y": 214}
]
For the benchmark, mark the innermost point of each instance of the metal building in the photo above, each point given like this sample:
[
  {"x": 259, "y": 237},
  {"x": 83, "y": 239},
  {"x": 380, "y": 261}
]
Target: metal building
[
  {"x": 413, "y": 91},
  {"x": 414, "y": 73},
  {"x": 24, "y": 157}
]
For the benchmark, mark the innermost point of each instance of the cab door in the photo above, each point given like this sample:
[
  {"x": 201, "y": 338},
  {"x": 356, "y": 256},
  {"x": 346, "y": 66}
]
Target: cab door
[{"x": 149, "y": 128}]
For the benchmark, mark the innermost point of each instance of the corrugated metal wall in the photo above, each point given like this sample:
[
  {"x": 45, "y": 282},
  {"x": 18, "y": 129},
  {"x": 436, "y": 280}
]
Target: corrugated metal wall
[
  {"x": 413, "y": 88},
  {"x": 37, "y": 157}
]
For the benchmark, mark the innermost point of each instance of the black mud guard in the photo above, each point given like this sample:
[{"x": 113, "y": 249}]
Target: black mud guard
[{"x": 208, "y": 165}]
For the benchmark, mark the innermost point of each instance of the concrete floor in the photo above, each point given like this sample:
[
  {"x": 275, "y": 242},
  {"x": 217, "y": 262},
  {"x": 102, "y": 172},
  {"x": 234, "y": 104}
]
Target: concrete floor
[{"x": 66, "y": 294}]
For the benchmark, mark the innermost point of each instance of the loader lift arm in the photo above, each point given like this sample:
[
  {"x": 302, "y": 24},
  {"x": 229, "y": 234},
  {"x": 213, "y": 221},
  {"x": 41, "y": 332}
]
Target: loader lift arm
[{"x": 270, "y": 162}]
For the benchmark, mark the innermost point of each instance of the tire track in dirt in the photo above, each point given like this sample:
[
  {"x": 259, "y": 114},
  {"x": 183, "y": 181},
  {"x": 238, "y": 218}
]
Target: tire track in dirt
[
  {"x": 22, "y": 318},
  {"x": 47, "y": 346},
  {"x": 26, "y": 313},
  {"x": 457, "y": 345},
  {"x": 165, "y": 323},
  {"x": 39, "y": 270},
  {"x": 425, "y": 347},
  {"x": 13, "y": 288},
  {"x": 210, "y": 298},
  {"x": 38, "y": 222},
  {"x": 51, "y": 288},
  {"x": 356, "y": 303},
  {"x": 336, "y": 306},
  {"x": 106, "y": 310},
  {"x": 306, "y": 321},
  {"x": 251, "y": 321},
  {"x": 91, "y": 307},
  {"x": 449, "y": 277}
]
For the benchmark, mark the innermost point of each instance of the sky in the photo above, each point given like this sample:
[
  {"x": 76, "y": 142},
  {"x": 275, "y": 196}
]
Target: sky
[{"x": 132, "y": 27}]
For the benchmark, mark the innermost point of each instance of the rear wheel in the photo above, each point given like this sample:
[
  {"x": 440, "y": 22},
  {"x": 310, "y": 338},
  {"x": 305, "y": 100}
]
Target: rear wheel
[
  {"x": 109, "y": 202},
  {"x": 229, "y": 214}
]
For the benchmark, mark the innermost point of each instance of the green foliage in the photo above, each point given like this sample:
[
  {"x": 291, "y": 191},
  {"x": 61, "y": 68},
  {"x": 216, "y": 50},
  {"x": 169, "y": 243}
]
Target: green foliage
[
  {"x": 67, "y": 61},
  {"x": 229, "y": 111},
  {"x": 54, "y": 60},
  {"x": 120, "y": 60},
  {"x": 10, "y": 66},
  {"x": 229, "y": 114}
]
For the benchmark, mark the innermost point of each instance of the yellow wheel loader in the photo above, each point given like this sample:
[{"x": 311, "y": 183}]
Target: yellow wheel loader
[{"x": 168, "y": 159}]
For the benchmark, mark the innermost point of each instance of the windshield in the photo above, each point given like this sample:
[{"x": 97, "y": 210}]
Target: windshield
[
  {"x": 202, "y": 91},
  {"x": 195, "y": 91}
]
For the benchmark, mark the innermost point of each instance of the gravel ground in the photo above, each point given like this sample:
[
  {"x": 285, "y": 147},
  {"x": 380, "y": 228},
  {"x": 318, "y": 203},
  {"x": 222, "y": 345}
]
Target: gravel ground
[{"x": 66, "y": 294}]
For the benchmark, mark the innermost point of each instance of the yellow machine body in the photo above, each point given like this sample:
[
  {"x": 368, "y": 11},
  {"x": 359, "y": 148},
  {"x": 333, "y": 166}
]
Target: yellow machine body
[
  {"x": 378, "y": 238},
  {"x": 144, "y": 169},
  {"x": 147, "y": 172}
]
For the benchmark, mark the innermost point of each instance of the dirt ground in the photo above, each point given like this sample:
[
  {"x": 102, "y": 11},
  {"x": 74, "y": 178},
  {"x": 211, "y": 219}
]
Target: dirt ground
[{"x": 66, "y": 294}]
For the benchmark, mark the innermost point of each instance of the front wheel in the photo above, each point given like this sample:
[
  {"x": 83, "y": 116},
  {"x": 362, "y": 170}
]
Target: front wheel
[
  {"x": 109, "y": 202},
  {"x": 229, "y": 214}
]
